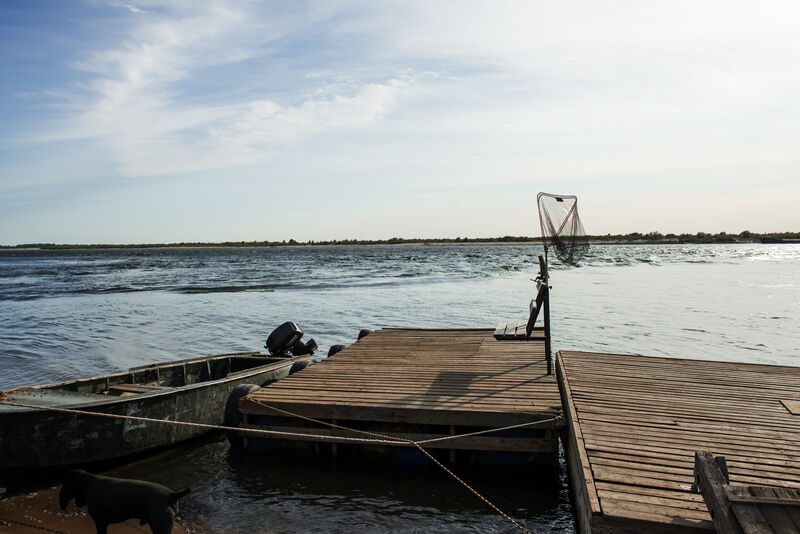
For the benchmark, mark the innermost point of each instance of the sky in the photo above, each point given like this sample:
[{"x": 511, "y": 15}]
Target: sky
[{"x": 150, "y": 121}]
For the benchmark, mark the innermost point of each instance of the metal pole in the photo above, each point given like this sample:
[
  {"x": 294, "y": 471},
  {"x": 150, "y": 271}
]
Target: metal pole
[{"x": 547, "y": 342}]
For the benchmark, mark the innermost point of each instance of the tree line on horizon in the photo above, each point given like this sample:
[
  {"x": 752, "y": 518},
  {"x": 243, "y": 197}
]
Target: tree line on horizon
[{"x": 634, "y": 237}]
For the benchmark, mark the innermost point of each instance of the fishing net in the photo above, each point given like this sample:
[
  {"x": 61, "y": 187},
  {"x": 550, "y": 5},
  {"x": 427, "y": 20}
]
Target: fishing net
[{"x": 561, "y": 227}]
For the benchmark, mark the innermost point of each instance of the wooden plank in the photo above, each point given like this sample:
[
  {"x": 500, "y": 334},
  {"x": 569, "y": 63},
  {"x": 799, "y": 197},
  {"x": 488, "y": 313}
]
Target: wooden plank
[
  {"x": 512, "y": 331},
  {"x": 686, "y": 444},
  {"x": 749, "y": 516},
  {"x": 711, "y": 482},
  {"x": 778, "y": 518},
  {"x": 747, "y": 466},
  {"x": 726, "y": 408},
  {"x": 687, "y": 371},
  {"x": 648, "y": 361},
  {"x": 658, "y": 500},
  {"x": 793, "y": 511},
  {"x": 586, "y": 498},
  {"x": 693, "y": 500},
  {"x": 535, "y": 306},
  {"x": 404, "y": 404},
  {"x": 662, "y": 508},
  {"x": 618, "y": 518},
  {"x": 397, "y": 414},
  {"x": 620, "y": 426},
  {"x": 455, "y": 388},
  {"x": 792, "y": 405},
  {"x": 519, "y": 330}
]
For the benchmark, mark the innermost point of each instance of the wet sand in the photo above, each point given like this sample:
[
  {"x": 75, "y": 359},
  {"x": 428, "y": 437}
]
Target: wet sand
[{"x": 38, "y": 512}]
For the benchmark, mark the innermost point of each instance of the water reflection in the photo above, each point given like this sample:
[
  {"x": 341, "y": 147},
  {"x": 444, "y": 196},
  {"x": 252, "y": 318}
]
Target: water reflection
[{"x": 296, "y": 492}]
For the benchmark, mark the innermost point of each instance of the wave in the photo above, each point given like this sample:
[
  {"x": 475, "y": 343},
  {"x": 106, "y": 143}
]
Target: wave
[
  {"x": 20, "y": 354},
  {"x": 51, "y": 274},
  {"x": 103, "y": 290},
  {"x": 228, "y": 289}
]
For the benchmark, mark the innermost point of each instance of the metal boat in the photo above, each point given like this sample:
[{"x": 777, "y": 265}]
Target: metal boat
[{"x": 34, "y": 433}]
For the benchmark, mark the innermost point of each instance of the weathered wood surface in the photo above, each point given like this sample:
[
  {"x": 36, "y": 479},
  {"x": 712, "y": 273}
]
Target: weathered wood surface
[
  {"x": 767, "y": 510},
  {"x": 421, "y": 376},
  {"x": 642, "y": 418},
  {"x": 711, "y": 482},
  {"x": 580, "y": 472},
  {"x": 516, "y": 331},
  {"x": 746, "y": 509},
  {"x": 523, "y": 330}
]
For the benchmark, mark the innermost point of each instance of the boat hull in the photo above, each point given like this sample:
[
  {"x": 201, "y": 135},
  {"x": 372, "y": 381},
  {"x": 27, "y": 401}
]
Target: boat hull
[{"x": 36, "y": 438}]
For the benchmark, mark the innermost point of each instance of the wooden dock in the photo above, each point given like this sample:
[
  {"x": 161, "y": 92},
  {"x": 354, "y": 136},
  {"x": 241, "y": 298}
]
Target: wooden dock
[
  {"x": 421, "y": 384},
  {"x": 635, "y": 422}
]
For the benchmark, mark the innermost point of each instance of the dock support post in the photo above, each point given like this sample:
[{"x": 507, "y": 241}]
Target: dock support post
[
  {"x": 547, "y": 350},
  {"x": 334, "y": 449},
  {"x": 452, "y": 451}
]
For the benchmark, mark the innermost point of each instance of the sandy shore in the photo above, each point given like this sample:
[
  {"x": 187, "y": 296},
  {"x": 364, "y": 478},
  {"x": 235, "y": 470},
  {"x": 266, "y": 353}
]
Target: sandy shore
[{"x": 38, "y": 512}]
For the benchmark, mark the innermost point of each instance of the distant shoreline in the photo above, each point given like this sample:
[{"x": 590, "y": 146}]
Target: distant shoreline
[{"x": 653, "y": 238}]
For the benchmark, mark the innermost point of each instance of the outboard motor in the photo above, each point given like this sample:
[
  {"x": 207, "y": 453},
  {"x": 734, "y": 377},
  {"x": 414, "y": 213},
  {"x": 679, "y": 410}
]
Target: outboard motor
[
  {"x": 286, "y": 339},
  {"x": 300, "y": 348}
]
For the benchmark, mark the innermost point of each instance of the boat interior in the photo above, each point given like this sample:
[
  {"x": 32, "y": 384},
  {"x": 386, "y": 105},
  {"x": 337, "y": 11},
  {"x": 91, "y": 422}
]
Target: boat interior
[{"x": 162, "y": 376}]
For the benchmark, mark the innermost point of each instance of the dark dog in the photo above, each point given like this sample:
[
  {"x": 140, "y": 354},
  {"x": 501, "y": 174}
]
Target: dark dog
[{"x": 113, "y": 500}]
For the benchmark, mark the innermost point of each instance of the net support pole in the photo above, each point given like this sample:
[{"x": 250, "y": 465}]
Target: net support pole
[
  {"x": 548, "y": 355},
  {"x": 547, "y": 348},
  {"x": 544, "y": 244}
]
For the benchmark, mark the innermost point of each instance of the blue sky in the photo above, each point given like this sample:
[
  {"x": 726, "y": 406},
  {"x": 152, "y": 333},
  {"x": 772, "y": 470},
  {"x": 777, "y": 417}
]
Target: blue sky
[{"x": 131, "y": 122}]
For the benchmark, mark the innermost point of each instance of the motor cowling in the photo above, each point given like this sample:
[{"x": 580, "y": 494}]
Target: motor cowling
[{"x": 286, "y": 339}]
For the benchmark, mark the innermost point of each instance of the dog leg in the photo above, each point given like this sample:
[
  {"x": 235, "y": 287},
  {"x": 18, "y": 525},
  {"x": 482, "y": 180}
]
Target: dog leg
[{"x": 163, "y": 525}]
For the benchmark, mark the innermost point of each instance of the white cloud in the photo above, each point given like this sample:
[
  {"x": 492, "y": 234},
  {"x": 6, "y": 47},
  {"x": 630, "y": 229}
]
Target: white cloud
[
  {"x": 137, "y": 89},
  {"x": 132, "y": 8},
  {"x": 264, "y": 123}
]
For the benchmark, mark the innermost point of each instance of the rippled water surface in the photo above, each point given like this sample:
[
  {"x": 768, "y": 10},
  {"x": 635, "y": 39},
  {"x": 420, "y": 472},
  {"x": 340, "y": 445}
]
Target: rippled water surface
[{"x": 67, "y": 314}]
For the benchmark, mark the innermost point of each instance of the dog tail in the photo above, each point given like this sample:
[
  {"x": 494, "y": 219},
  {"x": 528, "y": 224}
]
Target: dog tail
[{"x": 175, "y": 495}]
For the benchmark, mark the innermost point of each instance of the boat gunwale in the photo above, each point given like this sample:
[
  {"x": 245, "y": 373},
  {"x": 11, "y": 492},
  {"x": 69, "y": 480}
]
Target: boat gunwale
[{"x": 113, "y": 401}]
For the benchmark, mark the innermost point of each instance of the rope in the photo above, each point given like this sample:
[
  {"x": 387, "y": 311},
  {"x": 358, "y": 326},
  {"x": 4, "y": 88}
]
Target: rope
[
  {"x": 30, "y": 525},
  {"x": 419, "y": 447},
  {"x": 382, "y": 438},
  {"x": 179, "y": 423},
  {"x": 491, "y": 430},
  {"x": 385, "y": 440},
  {"x": 394, "y": 439}
]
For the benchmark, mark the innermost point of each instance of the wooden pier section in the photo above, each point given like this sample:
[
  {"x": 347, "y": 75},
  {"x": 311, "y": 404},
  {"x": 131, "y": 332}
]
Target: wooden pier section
[
  {"x": 421, "y": 384},
  {"x": 635, "y": 423}
]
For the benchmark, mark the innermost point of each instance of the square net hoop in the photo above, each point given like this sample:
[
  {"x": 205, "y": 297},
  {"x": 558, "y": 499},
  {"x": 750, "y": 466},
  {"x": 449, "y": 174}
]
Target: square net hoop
[{"x": 561, "y": 226}]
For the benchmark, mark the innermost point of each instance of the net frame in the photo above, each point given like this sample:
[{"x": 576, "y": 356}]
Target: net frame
[{"x": 571, "y": 249}]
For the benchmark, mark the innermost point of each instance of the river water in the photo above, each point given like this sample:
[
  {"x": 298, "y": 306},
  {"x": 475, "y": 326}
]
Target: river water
[{"x": 69, "y": 314}]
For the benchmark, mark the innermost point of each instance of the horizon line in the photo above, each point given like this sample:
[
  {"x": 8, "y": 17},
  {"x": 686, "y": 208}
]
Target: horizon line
[{"x": 655, "y": 237}]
